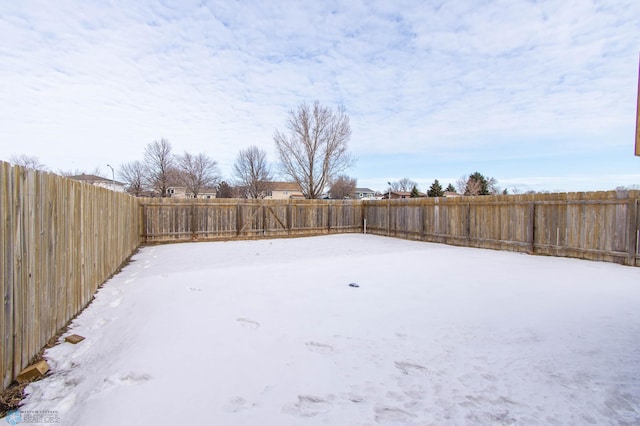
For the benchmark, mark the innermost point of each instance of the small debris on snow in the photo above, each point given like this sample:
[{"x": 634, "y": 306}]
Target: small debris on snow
[
  {"x": 33, "y": 372},
  {"x": 74, "y": 338},
  {"x": 354, "y": 285}
]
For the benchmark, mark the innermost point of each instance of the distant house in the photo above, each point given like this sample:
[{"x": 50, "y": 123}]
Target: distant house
[
  {"x": 177, "y": 192},
  {"x": 283, "y": 191},
  {"x": 451, "y": 194},
  {"x": 364, "y": 194},
  {"x": 181, "y": 192},
  {"x": 402, "y": 194},
  {"x": 208, "y": 193},
  {"x": 111, "y": 184}
]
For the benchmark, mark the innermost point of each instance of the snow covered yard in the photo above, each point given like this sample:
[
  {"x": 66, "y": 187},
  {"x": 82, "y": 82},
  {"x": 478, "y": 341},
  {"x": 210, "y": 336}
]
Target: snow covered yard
[{"x": 270, "y": 333}]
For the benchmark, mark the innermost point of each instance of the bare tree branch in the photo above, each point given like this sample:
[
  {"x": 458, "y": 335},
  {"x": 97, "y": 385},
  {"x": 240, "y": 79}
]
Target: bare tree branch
[
  {"x": 316, "y": 147},
  {"x": 29, "y": 162},
  {"x": 342, "y": 187},
  {"x": 197, "y": 172},
  {"x": 252, "y": 172},
  {"x": 403, "y": 185},
  {"x": 159, "y": 166},
  {"x": 132, "y": 174}
]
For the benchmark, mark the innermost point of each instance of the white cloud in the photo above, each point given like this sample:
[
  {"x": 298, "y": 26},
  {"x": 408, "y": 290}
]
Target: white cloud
[{"x": 89, "y": 83}]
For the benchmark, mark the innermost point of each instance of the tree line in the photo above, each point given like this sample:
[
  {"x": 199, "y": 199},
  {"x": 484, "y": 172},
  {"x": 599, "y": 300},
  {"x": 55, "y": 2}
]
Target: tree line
[
  {"x": 471, "y": 185},
  {"x": 312, "y": 151}
]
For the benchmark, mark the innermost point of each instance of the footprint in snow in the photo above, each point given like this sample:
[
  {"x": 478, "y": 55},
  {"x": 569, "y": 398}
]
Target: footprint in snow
[
  {"x": 118, "y": 380},
  {"x": 410, "y": 368},
  {"x": 319, "y": 348},
  {"x": 247, "y": 323},
  {"x": 393, "y": 415},
  {"x": 308, "y": 406},
  {"x": 237, "y": 404}
]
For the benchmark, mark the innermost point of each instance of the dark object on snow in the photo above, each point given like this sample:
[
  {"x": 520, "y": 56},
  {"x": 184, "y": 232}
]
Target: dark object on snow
[
  {"x": 33, "y": 372},
  {"x": 353, "y": 285},
  {"x": 74, "y": 338}
]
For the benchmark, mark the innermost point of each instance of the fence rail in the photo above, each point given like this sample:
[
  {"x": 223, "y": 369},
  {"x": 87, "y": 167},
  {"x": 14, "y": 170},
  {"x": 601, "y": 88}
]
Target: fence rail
[{"x": 59, "y": 240}]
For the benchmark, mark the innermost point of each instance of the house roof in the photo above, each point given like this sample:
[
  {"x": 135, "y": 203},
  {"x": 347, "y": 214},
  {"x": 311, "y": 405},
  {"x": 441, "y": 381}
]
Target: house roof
[
  {"x": 365, "y": 190},
  {"x": 404, "y": 194},
  {"x": 285, "y": 186},
  {"x": 94, "y": 179}
]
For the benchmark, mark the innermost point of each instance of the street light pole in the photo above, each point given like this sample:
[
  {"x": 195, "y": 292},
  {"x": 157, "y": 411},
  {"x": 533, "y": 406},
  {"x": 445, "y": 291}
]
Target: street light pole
[{"x": 113, "y": 178}]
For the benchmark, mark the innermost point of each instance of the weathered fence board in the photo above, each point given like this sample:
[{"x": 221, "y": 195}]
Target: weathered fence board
[{"x": 59, "y": 240}]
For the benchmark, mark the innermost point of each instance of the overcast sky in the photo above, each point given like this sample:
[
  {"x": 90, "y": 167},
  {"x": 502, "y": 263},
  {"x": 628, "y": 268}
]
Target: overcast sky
[{"x": 540, "y": 95}]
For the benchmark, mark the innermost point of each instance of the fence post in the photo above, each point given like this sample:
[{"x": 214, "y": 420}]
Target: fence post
[
  {"x": 238, "y": 218},
  {"x": 423, "y": 218},
  {"x": 329, "y": 218},
  {"x": 633, "y": 232},
  {"x": 264, "y": 218},
  {"x": 468, "y": 224},
  {"x": 193, "y": 222},
  {"x": 389, "y": 215},
  {"x": 532, "y": 226}
]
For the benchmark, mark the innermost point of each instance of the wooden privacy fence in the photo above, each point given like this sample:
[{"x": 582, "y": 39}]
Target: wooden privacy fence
[
  {"x": 59, "y": 240},
  {"x": 172, "y": 220},
  {"x": 595, "y": 225}
]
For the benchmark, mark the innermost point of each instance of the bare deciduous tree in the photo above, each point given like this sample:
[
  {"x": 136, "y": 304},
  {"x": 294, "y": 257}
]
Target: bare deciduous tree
[
  {"x": 404, "y": 185},
  {"x": 132, "y": 174},
  {"x": 197, "y": 172},
  {"x": 29, "y": 162},
  {"x": 252, "y": 172},
  {"x": 316, "y": 147},
  {"x": 461, "y": 184},
  {"x": 159, "y": 166},
  {"x": 97, "y": 171},
  {"x": 473, "y": 187},
  {"x": 477, "y": 184},
  {"x": 492, "y": 184},
  {"x": 342, "y": 187}
]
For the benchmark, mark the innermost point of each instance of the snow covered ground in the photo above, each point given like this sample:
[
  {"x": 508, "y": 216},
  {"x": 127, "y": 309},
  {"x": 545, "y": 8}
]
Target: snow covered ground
[{"x": 270, "y": 333}]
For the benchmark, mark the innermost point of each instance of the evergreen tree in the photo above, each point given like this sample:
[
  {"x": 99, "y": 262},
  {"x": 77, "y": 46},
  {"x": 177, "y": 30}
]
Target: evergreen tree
[
  {"x": 435, "y": 190},
  {"x": 450, "y": 188},
  {"x": 476, "y": 185},
  {"x": 224, "y": 190},
  {"x": 414, "y": 192}
]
